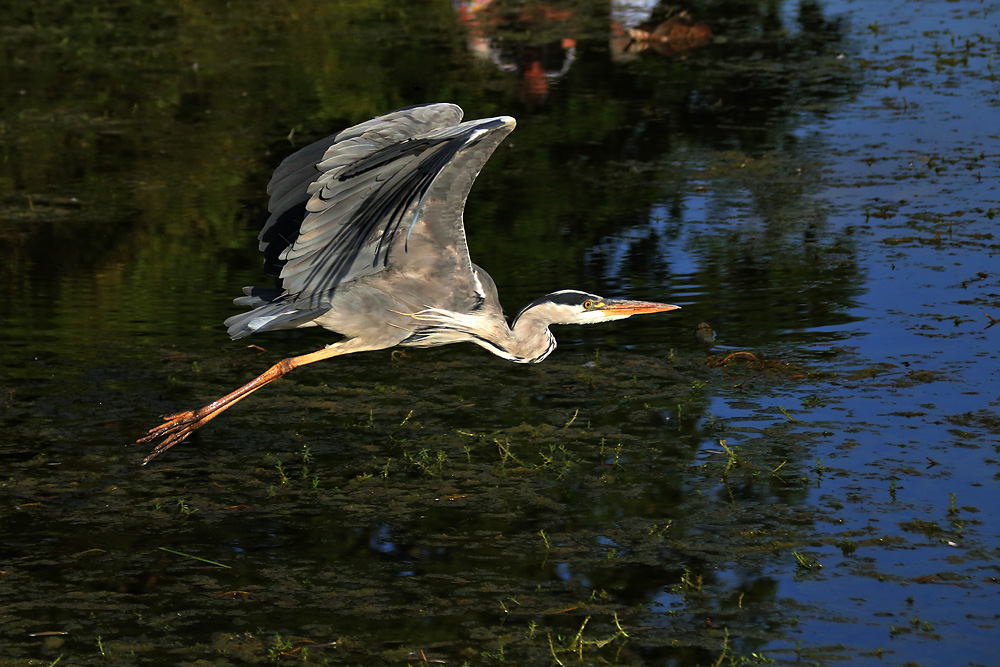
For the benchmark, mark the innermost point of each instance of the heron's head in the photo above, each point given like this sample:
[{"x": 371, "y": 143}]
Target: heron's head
[{"x": 576, "y": 307}]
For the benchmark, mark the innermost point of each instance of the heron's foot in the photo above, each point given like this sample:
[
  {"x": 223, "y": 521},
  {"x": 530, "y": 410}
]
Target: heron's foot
[{"x": 175, "y": 429}]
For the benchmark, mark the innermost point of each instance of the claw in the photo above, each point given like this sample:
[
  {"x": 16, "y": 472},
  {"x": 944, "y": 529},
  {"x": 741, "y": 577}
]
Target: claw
[
  {"x": 165, "y": 445},
  {"x": 176, "y": 429}
]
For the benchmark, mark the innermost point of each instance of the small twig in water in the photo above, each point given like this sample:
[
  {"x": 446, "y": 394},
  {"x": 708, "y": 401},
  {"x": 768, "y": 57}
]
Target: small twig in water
[
  {"x": 544, "y": 538},
  {"x": 785, "y": 412},
  {"x": 203, "y": 560},
  {"x": 553, "y": 650},
  {"x": 726, "y": 359}
]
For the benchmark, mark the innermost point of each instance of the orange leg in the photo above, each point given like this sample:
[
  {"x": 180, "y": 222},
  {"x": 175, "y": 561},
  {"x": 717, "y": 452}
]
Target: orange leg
[{"x": 178, "y": 426}]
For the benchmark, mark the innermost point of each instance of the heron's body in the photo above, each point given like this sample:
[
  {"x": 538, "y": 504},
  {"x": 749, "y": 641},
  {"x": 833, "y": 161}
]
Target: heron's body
[{"x": 366, "y": 238}]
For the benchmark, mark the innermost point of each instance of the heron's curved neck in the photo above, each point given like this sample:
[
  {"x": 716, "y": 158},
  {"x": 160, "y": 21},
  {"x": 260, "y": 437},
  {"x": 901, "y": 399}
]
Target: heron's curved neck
[{"x": 529, "y": 340}]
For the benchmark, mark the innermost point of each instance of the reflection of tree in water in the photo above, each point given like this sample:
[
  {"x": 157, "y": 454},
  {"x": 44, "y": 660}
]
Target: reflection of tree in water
[
  {"x": 671, "y": 36},
  {"x": 534, "y": 41}
]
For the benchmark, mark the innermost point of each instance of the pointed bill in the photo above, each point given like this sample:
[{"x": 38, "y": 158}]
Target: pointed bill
[{"x": 626, "y": 307}]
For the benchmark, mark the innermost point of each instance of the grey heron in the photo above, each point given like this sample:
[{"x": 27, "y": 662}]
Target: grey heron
[{"x": 366, "y": 238}]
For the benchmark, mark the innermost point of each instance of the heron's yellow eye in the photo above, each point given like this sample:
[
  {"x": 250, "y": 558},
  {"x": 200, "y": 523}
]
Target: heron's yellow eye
[{"x": 587, "y": 305}]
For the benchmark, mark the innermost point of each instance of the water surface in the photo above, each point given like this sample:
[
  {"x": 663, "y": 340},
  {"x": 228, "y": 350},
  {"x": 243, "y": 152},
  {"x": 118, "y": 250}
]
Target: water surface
[{"x": 818, "y": 182}]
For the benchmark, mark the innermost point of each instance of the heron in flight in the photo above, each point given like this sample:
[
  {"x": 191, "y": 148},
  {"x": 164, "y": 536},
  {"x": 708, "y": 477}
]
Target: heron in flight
[{"x": 366, "y": 238}]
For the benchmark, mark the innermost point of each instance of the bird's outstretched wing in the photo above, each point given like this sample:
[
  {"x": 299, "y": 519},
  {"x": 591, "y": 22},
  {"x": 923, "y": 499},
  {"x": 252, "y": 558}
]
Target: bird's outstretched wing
[{"x": 390, "y": 191}]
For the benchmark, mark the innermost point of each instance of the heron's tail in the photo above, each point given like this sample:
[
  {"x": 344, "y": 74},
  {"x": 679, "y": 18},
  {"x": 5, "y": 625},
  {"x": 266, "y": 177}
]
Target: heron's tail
[{"x": 269, "y": 311}]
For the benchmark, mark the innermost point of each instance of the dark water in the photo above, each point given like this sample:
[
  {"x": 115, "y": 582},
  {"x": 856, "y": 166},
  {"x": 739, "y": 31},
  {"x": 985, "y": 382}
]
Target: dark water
[{"x": 818, "y": 182}]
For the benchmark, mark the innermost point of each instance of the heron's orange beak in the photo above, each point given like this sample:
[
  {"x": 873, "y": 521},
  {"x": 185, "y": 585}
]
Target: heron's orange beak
[{"x": 627, "y": 308}]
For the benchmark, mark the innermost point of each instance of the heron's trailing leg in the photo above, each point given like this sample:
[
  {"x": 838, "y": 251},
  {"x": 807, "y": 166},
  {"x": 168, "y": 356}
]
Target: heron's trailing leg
[{"x": 180, "y": 425}]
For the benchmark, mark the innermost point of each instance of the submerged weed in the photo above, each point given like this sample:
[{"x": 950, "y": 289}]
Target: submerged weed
[
  {"x": 544, "y": 539},
  {"x": 577, "y": 644},
  {"x": 279, "y": 648},
  {"x": 847, "y": 546},
  {"x": 505, "y": 454},
  {"x": 806, "y": 562},
  {"x": 787, "y": 416},
  {"x": 428, "y": 464},
  {"x": 184, "y": 508},
  {"x": 659, "y": 531},
  {"x": 726, "y": 659},
  {"x": 283, "y": 478},
  {"x": 715, "y": 424},
  {"x": 496, "y": 654},
  {"x": 731, "y": 459},
  {"x": 691, "y": 583},
  {"x": 618, "y": 454},
  {"x": 598, "y": 596},
  {"x": 550, "y": 460},
  {"x": 813, "y": 401}
]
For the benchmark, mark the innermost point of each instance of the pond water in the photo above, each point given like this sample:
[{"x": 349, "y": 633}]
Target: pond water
[{"x": 817, "y": 181}]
